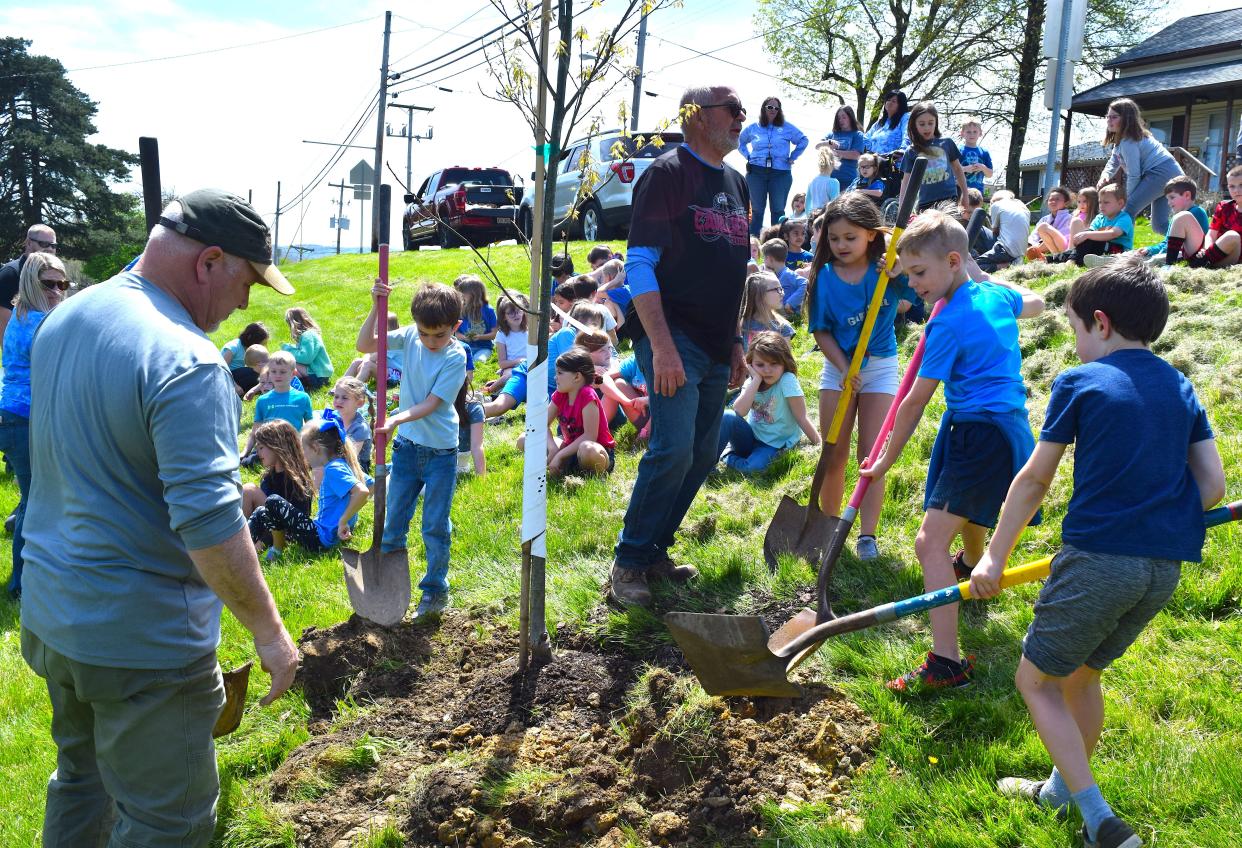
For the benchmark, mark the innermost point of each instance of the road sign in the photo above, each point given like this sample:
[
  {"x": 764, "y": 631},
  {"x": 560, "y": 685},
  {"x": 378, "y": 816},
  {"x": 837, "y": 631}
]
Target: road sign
[
  {"x": 362, "y": 176},
  {"x": 1052, "y": 31}
]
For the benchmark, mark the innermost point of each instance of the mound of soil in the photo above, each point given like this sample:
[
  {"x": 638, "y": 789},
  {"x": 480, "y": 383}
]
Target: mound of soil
[{"x": 454, "y": 747}]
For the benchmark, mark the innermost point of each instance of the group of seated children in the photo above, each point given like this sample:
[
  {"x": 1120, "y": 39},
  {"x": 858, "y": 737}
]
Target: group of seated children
[{"x": 1099, "y": 230}]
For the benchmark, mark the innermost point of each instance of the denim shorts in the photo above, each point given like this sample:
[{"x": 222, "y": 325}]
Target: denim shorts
[
  {"x": 976, "y": 473},
  {"x": 1094, "y": 606},
  {"x": 879, "y": 376}
]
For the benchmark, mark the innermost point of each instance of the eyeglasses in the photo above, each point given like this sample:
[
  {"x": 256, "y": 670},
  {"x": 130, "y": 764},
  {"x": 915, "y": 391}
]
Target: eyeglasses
[
  {"x": 734, "y": 107},
  {"x": 46, "y": 245},
  {"x": 57, "y": 283},
  {"x": 772, "y": 108}
]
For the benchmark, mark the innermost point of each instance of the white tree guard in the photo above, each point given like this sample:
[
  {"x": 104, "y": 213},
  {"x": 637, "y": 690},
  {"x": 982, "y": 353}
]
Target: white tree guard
[{"x": 535, "y": 464}]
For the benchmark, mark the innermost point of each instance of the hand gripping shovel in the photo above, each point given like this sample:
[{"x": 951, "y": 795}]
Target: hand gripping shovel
[
  {"x": 801, "y": 530},
  {"x": 379, "y": 582},
  {"x": 840, "y": 527},
  {"x": 749, "y": 666}
]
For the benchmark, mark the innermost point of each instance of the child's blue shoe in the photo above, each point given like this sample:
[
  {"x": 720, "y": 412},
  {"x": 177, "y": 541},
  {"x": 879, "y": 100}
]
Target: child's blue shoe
[
  {"x": 432, "y": 603},
  {"x": 272, "y": 554}
]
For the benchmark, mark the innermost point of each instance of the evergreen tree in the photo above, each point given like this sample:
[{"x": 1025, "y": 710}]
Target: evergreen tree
[{"x": 49, "y": 172}]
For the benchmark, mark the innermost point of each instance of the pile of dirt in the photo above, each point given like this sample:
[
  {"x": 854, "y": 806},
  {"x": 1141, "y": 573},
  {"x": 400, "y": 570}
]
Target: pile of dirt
[{"x": 454, "y": 747}]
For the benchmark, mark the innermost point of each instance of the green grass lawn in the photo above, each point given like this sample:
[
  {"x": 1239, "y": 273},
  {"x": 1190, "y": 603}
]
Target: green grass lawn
[{"x": 1169, "y": 759}]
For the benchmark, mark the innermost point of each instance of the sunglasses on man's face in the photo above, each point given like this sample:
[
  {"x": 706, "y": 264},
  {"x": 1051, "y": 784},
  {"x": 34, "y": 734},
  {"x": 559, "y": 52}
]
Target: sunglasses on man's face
[
  {"x": 45, "y": 245},
  {"x": 56, "y": 283},
  {"x": 736, "y": 109}
]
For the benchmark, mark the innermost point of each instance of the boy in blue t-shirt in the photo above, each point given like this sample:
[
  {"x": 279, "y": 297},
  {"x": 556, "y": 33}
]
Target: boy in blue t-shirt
[
  {"x": 976, "y": 161},
  {"x": 984, "y": 437},
  {"x": 793, "y": 288},
  {"x": 424, "y": 454},
  {"x": 283, "y": 401},
  {"x": 1145, "y": 468},
  {"x": 1111, "y": 231}
]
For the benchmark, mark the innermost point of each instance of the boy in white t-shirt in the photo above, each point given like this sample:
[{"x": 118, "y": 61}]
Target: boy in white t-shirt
[{"x": 1011, "y": 221}]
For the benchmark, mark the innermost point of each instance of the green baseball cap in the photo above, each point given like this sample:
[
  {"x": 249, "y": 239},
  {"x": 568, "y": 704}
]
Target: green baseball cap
[{"x": 224, "y": 220}]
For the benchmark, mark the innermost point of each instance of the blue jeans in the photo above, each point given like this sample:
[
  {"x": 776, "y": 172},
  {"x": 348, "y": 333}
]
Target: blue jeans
[
  {"x": 1150, "y": 189},
  {"x": 413, "y": 468},
  {"x": 15, "y": 445},
  {"x": 749, "y": 455},
  {"x": 768, "y": 187},
  {"x": 683, "y": 450}
]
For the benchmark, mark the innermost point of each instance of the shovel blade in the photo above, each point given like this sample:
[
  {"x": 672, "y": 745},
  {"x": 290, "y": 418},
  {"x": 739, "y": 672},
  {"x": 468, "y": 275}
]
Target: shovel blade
[
  {"x": 791, "y": 630},
  {"x": 729, "y": 654},
  {"x": 796, "y": 529},
  {"x": 235, "y": 684},
  {"x": 378, "y": 583}
]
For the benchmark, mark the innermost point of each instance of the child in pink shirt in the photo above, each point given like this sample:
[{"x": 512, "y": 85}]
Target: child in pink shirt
[{"x": 586, "y": 444}]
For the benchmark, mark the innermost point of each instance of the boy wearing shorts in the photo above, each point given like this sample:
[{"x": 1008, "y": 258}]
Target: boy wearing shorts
[
  {"x": 1223, "y": 245},
  {"x": 984, "y": 437},
  {"x": 1145, "y": 468}
]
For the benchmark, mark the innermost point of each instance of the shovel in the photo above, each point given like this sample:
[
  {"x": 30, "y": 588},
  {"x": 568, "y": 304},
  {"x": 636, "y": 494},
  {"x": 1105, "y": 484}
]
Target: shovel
[
  {"x": 732, "y": 655},
  {"x": 235, "y": 683},
  {"x": 379, "y": 582},
  {"x": 798, "y": 529}
]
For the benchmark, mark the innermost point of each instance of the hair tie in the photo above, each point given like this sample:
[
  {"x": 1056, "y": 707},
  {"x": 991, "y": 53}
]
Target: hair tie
[{"x": 330, "y": 420}]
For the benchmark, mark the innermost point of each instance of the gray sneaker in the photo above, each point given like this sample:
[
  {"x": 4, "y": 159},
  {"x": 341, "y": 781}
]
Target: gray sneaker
[
  {"x": 432, "y": 603},
  {"x": 629, "y": 586},
  {"x": 1113, "y": 833},
  {"x": 666, "y": 569},
  {"x": 1095, "y": 260},
  {"x": 866, "y": 548},
  {"x": 1027, "y": 790}
]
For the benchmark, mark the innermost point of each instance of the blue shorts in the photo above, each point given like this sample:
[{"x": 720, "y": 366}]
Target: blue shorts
[
  {"x": 976, "y": 474},
  {"x": 516, "y": 386}
]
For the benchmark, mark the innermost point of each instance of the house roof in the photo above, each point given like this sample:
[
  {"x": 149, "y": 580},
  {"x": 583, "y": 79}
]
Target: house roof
[
  {"x": 1080, "y": 154},
  {"x": 1162, "y": 88},
  {"x": 1209, "y": 32}
]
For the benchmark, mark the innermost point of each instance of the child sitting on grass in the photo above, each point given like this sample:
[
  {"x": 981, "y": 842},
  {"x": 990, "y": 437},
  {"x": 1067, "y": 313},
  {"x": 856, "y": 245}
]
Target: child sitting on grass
[
  {"x": 511, "y": 341},
  {"x": 1052, "y": 231},
  {"x": 586, "y": 444},
  {"x": 364, "y": 366},
  {"x": 793, "y": 233},
  {"x": 343, "y": 491},
  {"x": 868, "y": 181},
  {"x": 1111, "y": 231},
  {"x": 283, "y": 401},
  {"x": 478, "y": 319},
  {"x": 1187, "y": 226},
  {"x": 424, "y": 453},
  {"x": 286, "y": 475},
  {"x": 349, "y": 397},
  {"x": 774, "y": 253},
  {"x": 1223, "y": 245},
  {"x": 311, "y": 357},
  {"x": 761, "y": 307},
  {"x": 1145, "y": 467},
  {"x": 769, "y": 416},
  {"x": 245, "y": 376},
  {"x": 984, "y": 438}
]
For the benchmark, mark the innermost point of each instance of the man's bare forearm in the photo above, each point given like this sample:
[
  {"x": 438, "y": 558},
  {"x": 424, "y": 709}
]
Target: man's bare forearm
[{"x": 231, "y": 569}]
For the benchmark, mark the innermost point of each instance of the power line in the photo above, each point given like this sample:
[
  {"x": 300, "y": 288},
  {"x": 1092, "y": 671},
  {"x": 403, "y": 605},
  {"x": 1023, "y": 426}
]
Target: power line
[
  {"x": 534, "y": 10},
  {"x": 710, "y": 54},
  {"x": 441, "y": 32},
  {"x": 198, "y": 52},
  {"x": 716, "y": 58},
  {"x": 335, "y": 157}
]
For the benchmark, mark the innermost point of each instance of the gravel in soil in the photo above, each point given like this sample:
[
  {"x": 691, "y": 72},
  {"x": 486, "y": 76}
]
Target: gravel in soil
[{"x": 445, "y": 741}]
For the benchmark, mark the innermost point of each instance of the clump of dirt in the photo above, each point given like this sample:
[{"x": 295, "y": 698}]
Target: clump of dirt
[{"x": 455, "y": 747}]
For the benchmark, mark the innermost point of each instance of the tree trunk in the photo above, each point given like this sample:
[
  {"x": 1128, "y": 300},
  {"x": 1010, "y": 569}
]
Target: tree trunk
[{"x": 1027, "y": 68}]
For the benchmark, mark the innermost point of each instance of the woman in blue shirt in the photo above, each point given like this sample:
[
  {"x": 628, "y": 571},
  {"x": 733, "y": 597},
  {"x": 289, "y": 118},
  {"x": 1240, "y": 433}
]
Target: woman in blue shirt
[
  {"x": 848, "y": 142},
  {"x": 888, "y": 133},
  {"x": 40, "y": 289},
  {"x": 771, "y": 145}
]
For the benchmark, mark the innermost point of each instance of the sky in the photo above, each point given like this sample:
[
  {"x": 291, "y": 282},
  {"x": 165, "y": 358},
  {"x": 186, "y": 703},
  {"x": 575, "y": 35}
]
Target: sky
[{"x": 232, "y": 89}]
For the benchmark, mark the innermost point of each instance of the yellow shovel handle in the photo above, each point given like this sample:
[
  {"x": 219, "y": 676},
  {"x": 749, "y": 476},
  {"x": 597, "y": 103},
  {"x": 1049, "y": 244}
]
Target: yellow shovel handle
[{"x": 1028, "y": 573}]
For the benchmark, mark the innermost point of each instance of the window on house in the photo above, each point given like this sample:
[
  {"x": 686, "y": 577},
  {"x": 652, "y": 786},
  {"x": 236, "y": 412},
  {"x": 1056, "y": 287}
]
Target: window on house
[
  {"x": 1031, "y": 183},
  {"x": 1162, "y": 131}
]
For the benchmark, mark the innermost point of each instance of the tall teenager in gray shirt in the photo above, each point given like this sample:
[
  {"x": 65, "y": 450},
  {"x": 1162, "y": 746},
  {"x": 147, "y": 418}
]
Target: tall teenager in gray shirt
[{"x": 1145, "y": 163}]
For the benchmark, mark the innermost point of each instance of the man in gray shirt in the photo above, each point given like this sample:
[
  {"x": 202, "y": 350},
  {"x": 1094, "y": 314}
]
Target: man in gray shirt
[{"x": 135, "y": 535}]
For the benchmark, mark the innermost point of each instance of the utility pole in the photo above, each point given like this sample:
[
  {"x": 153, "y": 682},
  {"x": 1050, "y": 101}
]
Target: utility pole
[
  {"x": 340, "y": 207},
  {"x": 638, "y": 77},
  {"x": 276, "y": 234},
  {"x": 379, "y": 135},
  {"x": 409, "y": 138}
]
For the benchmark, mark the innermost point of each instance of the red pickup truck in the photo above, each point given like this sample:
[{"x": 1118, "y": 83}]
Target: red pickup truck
[{"x": 459, "y": 205}]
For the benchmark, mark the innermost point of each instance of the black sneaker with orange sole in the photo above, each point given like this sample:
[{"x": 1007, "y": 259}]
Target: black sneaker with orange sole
[
  {"x": 960, "y": 569},
  {"x": 934, "y": 674}
]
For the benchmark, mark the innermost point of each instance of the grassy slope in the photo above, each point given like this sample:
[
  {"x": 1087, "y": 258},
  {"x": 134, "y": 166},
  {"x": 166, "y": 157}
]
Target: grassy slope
[{"x": 1174, "y": 725}]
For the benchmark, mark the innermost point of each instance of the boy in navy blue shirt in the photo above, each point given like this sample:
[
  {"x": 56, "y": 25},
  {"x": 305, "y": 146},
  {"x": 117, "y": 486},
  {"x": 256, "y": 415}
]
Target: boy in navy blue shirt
[
  {"x": 984, "y": 437},
  {"x": 1145, "y": 468}
]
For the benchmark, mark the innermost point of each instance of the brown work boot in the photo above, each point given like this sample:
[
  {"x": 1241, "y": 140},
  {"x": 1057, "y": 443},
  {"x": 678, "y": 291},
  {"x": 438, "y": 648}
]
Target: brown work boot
[
  {"x": 665, "y": 569},
  {"x": 629, "y": 586}
]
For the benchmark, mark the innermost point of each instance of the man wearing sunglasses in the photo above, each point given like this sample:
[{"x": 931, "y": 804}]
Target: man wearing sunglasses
[
  {"x": 686, "y": 266},
  {"x": 39, "y": 239}
]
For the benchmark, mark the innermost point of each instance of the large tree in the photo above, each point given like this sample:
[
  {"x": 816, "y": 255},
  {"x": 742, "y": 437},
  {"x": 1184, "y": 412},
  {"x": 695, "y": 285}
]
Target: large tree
[{"x": 49, "y": 172}]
